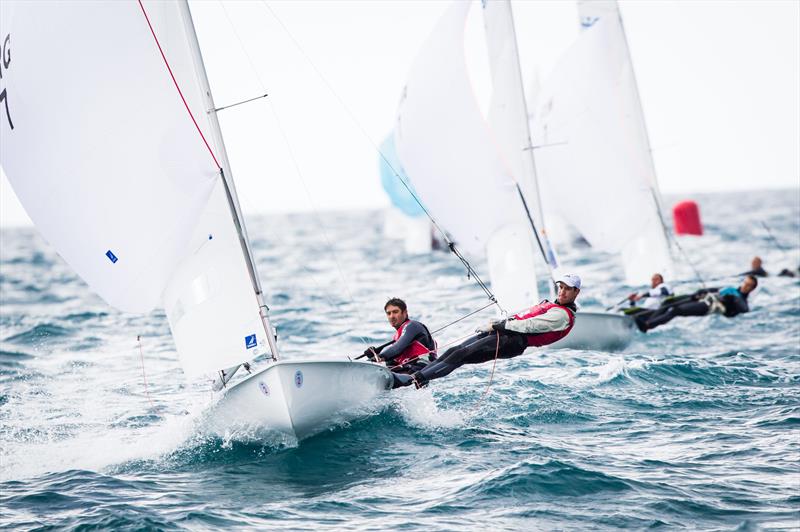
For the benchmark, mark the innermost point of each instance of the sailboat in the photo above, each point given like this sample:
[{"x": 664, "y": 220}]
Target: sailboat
[
  {"x": 446, "y": 145},
  {"x": 110, "y": 140},
  {"x": 593, "y": 143}
]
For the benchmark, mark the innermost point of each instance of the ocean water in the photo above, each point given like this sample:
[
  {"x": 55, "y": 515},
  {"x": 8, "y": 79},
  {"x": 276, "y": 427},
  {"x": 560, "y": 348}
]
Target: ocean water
[{"x": 695, "y": 425}]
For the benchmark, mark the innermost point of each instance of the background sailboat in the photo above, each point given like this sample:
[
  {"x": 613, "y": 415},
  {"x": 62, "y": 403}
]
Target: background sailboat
[
  {"x": 594, "y": 161},
  {"x": 445, "y": 145},
  {"x": 125, "y": 174}
]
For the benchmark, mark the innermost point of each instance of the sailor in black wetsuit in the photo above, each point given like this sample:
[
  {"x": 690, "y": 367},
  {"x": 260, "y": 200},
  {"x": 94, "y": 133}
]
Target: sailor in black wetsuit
[
  {"x": 756, "y": 268},
  {"x": 412, "y": 345},
  {"x": 729, "y": 301}
]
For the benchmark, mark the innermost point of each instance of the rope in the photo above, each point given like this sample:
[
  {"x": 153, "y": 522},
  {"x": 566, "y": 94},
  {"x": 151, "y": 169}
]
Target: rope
[
  {"x": 144, "y": 376},
  {"x": 689, "y": 262},
  {"x": 175, "y": 82},
  {"x": 491, "y": 375}
]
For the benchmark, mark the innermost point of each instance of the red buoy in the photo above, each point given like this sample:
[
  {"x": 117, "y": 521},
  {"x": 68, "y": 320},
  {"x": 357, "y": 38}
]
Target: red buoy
[{"x": 686, "y": 216}]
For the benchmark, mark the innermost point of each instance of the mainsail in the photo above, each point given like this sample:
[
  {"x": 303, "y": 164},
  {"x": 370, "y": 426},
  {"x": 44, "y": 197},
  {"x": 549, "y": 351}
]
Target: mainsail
[
  {"x": 594, "y": 158},
  {"x": 454, "y": 162},
  {"x": 118, "y": 176}
]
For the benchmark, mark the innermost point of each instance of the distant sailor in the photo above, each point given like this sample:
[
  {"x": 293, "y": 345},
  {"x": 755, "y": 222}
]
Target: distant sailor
[
  {"x": 756, "y": 268},
  {"x": 652, "y": 299},
  {"x": 729, "y": 301},
  {"x": 540, "y": 325},
  {"x": 412, "y": 346}
]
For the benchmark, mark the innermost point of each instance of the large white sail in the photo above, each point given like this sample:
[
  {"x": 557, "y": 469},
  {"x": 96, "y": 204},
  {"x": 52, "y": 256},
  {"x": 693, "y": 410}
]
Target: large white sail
[
  {"x": 595, "y": 161},
  {"x": 451, "y": 157},
  {"x": 117, "y": 175},
  {"x": 508, "y": 113},
  {"x": 103, "y": 160}
]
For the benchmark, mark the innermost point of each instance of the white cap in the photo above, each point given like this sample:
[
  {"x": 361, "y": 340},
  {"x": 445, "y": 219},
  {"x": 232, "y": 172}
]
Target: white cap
[{"x": 570, "y": 279}]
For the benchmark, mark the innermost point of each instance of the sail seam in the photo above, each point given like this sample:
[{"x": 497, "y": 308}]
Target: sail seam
[{"x": 177, "y": 87}]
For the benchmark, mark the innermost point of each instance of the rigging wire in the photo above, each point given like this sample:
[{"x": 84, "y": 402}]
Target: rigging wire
[
  {"x": 443, "y": 327},
  {"x": 688, "y": 261},
  {"x": 774, "y": 240},
  {"x": 144, "y": 375},
  {"x": 471, "y": 273},
  {"x": 240, "y": 103},
  {"x": 299, "y": 172}
]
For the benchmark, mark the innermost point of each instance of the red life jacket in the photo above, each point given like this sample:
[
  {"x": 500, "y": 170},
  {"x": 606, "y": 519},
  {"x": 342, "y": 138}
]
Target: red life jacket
[
  {"x": 546, "y": 338},
  {"x": 414, "y": 350}
]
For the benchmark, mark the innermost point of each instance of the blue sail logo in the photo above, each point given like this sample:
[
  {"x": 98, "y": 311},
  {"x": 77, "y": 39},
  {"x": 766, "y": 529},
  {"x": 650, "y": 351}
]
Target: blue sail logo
[
  {"x": 250, "y": 341},
  {"x": 588, "y": 22}
]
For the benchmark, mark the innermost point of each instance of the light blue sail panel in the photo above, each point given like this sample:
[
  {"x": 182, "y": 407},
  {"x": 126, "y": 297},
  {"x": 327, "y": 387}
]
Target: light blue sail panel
[{"x": 391, "y": 168}]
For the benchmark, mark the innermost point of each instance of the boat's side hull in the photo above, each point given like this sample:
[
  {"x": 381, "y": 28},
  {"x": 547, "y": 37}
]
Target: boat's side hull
[
  {"x": 301, "y": 398},
  {"x": 599, "y": 331}
]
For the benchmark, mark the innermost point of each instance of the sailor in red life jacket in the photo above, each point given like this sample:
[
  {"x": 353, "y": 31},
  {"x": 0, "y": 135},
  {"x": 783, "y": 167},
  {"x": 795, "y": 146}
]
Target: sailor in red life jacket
[
  {"x": 412, "y": 345},
  {"x": 540, "y": 325}
]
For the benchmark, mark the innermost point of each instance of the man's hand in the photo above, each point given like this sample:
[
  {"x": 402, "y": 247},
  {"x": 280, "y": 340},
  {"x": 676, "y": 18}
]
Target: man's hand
[
  {"x": 634, "y": 297},
  {"x": 493, "y": 325},
  {"x": 371, "y": 354}
]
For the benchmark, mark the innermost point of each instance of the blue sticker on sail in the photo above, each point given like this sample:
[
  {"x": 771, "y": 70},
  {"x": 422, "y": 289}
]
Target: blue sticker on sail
[
  {"x": 588, "y": 22},
  {"x": 113, "y": 258},
  {"x": 250, "y": 341},
  {"x": 298, "y": 378}
]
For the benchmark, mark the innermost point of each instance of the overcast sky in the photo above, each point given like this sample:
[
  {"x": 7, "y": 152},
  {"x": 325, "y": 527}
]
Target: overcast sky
[{"x": 719, "y": 82}]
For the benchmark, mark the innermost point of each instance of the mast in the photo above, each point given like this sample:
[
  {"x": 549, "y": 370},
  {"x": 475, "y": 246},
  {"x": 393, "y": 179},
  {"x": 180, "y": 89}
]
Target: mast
[{"x": 226, "y": 175}]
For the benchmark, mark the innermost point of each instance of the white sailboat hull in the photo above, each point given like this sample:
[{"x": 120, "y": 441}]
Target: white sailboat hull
[
  {"x": 600, "y": 331},
  {"x": 302, "y": 398}
]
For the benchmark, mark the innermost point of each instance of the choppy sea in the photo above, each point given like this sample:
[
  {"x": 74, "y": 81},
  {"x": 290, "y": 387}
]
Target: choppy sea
[{"x": 695, "y": 425}]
